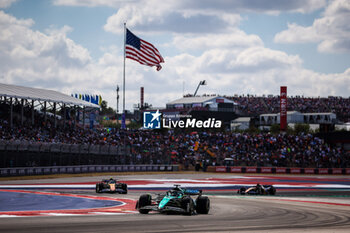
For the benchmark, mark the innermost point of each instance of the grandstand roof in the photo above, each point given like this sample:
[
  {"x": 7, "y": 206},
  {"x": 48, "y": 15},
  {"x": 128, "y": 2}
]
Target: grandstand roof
[
  {"x": 319, "y": 113},
  {"x": 299, "y": 113},
  {"x": 241, "y": 119},
  {"x": 42, "y": 95},
  {"x": 198, "y": 99},
  {"x": 278, "y": 113}
]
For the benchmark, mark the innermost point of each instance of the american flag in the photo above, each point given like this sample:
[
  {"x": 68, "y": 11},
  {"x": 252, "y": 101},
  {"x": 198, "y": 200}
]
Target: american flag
[{"x": 142, "y": 51}]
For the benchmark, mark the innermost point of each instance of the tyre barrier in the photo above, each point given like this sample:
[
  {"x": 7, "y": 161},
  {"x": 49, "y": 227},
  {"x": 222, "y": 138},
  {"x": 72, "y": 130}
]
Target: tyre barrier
[
  {"x": 281, "y": 170},
  {"x": 25, "y": 171}
]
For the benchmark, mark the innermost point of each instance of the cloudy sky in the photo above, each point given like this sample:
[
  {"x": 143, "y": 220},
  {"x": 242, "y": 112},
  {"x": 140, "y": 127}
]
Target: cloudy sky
[{"x": 237, "y": 46}]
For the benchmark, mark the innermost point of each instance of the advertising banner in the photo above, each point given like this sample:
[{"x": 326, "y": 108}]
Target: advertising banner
[
  {"x": 236, "y": 169},
  {"x": 295, "y": 170},
  {"x": 266, "y": 170},
  {"x": 337, "y": 170},
  {"x": 281, "y": 170},
  {"x": 220, "y": 169},
  {"x": 251, "y": 170},
  {"x": 323, "y": 171},
  {"x": 283, "y": 108},
  {"x": 309, "y": 170}
]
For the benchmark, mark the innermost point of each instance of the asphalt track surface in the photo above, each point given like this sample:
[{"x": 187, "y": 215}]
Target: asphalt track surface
[{"x": 289, "y": 211}]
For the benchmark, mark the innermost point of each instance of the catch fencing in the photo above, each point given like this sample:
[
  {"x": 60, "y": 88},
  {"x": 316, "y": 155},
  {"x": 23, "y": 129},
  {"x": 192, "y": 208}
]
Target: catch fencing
[
  {"x": 27, "y": 146},
  {"x": 28, "y": 171}
]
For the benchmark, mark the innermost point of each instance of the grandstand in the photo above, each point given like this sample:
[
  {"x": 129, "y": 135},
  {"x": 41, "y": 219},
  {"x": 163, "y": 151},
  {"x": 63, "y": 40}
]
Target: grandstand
[
  {"x": 251, "y": 105},
  {"x": 297, "y": 117},
  {"x": 29, "y": 136},
  {"x": 27, "y": 99},
  {"x": 211, "y": 103}
]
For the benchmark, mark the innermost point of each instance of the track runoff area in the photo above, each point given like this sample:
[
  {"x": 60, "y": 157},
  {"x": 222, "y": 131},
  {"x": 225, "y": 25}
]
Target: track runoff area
[{"x": 76, "y": 196}]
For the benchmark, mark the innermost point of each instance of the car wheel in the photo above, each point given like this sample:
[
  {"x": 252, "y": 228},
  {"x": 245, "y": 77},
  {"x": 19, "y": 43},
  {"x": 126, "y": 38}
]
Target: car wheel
[
  {"x": 98, "y": 188},
  {"x": 259, "y": 191},
  {"x": 242, "y": 191},
  {"x": 272, "y": 190},
  {"x": 125, "y": 188},
  {"x": 144, "y": 200},
  {"x": 188, "y": 205},
  {"x": 202, "y": 205}
]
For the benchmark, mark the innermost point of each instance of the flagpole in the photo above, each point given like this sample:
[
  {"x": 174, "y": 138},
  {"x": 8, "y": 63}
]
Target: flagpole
[
  {"x": 123, "y": 117},
  {"x": 124, "y": 111}
]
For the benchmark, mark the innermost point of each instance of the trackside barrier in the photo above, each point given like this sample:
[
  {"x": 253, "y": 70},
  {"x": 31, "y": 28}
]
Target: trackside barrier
[
  {"x": 266, "y": 170},
  {"x": 323, "y": 171},
  {"x": 309, "y": 170},
  {"x": 24, "y": 171},
  {"x": 337, "y": 171},
  {"x": 281, "y": 170},
  {"x": 251, "y": 170},
  {"x": 236, "y": 169},
  {"x": 220, "y": 169},
  {"x": 295, "y": 170}
]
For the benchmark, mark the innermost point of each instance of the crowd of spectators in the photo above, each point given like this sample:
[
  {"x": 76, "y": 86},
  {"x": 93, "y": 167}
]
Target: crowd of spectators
[
  {"x": 256, "y": 105},
  {"x": 189, "y": 148}
]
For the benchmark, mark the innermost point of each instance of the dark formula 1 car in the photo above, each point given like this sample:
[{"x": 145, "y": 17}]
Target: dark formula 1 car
[
  {"x": 111, "y": 186},
  {"x": 258, "y": 190},
  {"x": 177, "y": 201}
]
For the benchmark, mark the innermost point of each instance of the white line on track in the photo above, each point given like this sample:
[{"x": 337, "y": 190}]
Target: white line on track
[
  {"x": 9, "y": 216},
  {"x": 61, "y": 214},
  {"x": 106, "y": 213},
  {"x": 169, "y": 185}
]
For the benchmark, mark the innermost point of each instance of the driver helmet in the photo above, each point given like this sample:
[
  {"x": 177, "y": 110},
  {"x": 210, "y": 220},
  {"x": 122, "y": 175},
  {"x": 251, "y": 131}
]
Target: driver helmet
[{"x": 174, "y": 193}]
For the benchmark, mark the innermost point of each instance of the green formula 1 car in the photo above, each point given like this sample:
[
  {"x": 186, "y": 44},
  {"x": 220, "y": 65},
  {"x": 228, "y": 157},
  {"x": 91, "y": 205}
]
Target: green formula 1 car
[{"x": 177, "y": 201}]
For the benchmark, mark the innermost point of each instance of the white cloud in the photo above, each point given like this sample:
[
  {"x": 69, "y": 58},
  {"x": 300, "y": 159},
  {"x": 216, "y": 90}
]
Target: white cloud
[
  {"x": 258, "y": 71},
  {"x": 90, "y": 3},
  {"x": 297, "y": 34},
  {"x": 229, "y": 59},
  {"x": 28, "y": 56},
  {"x": 185, "y": 16},
  {"x": 264, "y": 6},
  {"x": 52, "y": 60},
  {"x": 332, "y": 31},
  {"x": 6, "y": 3},
  {"x": 169, "y": 17},
  {"x": 259, "y": 58},
  {"x": 233, "y": 39}
]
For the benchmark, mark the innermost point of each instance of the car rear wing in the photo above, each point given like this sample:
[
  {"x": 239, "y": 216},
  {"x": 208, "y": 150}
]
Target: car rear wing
[{"x": 193, "y": 191}]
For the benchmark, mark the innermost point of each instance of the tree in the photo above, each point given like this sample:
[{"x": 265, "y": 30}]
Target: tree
[
  {"x": 105, "y": 109},
  {"x": 301, "y": 128},
  {"x": 275, "y": 129}
]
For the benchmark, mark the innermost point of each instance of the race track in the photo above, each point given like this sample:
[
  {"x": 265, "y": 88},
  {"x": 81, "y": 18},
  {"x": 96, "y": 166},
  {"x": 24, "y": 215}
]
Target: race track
[{"x": 291, "y": 210}]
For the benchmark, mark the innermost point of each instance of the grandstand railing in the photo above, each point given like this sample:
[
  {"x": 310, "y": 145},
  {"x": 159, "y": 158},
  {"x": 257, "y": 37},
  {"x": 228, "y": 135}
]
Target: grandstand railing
[
  {"x": 25, "y": 171},
  {"x": 26, "y": 146}
]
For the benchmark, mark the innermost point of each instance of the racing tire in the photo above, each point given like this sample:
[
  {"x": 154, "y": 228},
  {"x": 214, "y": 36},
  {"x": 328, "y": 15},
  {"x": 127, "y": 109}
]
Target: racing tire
[
  {"x": 202, "y": 205},
  {"x": 242, "y": 191},
  {"x": 272, "y": 190},
  {"x": 125, "y": 188},
  {"x": 188, "y": 205},
  {"x": 259, "y": 191},
  {"x": 144, "y": 200},
  {"x": 98, "y": 188}
]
